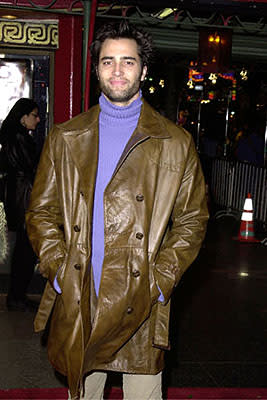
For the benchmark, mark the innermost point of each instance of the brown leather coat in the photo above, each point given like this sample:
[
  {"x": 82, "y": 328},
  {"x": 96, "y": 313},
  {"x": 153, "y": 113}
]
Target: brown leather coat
[{"x": 155, "y": 220}]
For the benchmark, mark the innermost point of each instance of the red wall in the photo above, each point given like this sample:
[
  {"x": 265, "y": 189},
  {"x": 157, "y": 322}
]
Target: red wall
[{"x": 68, "y": 69}]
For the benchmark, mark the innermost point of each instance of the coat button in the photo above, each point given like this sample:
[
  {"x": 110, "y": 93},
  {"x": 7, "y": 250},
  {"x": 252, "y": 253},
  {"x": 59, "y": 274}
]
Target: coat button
[
  {"x": 76, "y": 228},
  {"x": 129, "y": 310},
  {"x": 139, "y": 235},
  {"x": 139, "y": 197},
  {"x": 136, "y": 273},
  {"x": 77, "y": 266}
]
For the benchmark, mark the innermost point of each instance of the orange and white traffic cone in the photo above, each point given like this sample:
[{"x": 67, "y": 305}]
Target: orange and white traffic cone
[{"x": 246, "y": 231}]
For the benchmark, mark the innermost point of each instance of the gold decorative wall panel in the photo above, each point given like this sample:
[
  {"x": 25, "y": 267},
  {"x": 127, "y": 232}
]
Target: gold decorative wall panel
[{"x": 25, "y": 33}]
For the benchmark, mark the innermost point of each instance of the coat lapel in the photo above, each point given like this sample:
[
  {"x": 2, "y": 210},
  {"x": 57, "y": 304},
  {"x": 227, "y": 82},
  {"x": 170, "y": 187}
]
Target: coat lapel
[
  {"x": 147, "y": 127},
  {"x": 81, "y": 136},
  {"x": 82, "y": 141}
]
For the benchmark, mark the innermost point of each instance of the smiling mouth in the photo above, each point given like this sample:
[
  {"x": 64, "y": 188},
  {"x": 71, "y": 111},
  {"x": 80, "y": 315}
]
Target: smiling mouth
[{"x": 117, "y": 83}]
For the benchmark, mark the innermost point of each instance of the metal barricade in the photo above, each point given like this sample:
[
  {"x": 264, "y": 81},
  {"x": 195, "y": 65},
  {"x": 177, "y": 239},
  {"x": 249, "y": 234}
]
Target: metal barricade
[{"x": 231, "y": 181}]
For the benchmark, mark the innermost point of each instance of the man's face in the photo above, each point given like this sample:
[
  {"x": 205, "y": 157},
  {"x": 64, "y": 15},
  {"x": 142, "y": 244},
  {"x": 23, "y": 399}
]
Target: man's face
[{"x": 119, "y": 71}]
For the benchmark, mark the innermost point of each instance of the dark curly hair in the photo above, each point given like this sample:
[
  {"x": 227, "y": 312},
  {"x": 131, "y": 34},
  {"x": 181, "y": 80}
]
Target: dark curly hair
[{"x": 123, "y": 29}]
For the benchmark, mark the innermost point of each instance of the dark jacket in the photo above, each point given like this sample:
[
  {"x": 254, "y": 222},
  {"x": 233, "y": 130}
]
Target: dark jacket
[
  {"x": 155, "y": 220},
  {"x": 19, "y": 161}
]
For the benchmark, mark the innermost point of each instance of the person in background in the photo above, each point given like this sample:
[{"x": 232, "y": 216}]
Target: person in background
[
  {"x": 117, "y": 214},
  {"x": 250, "y": 146},
  {"x": 20, "y": 160}
]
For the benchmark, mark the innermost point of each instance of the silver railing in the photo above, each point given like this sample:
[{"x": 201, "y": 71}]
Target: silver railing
[{"x": 231, "y": 181}]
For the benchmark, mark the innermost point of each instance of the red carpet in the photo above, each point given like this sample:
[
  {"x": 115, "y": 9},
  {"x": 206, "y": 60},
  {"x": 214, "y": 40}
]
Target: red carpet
[{"x": 116, "y": 394}]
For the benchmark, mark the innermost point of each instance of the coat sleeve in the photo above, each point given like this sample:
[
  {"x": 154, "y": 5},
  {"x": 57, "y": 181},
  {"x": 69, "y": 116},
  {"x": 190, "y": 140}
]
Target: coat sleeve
[
  {"x": 187, "y": 227},
  {"x": 44, "y": 219}
]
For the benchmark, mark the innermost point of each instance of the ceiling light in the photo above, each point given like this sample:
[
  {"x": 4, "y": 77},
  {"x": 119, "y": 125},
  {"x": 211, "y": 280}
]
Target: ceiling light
[
  {"x": 164, "y": 13},
  {"x": 9, "y": 16}
]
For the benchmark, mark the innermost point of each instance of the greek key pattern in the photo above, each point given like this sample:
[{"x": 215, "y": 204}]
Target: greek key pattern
[{"x": 29, "y": 34}]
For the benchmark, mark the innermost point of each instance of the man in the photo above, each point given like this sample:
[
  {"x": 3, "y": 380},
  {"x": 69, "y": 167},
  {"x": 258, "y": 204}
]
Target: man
[{"x": 118, "y": 213}]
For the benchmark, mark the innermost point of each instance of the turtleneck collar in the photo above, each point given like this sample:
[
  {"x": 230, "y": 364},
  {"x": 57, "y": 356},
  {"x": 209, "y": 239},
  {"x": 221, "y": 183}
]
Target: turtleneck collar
[{"x": 112, "y": 114}]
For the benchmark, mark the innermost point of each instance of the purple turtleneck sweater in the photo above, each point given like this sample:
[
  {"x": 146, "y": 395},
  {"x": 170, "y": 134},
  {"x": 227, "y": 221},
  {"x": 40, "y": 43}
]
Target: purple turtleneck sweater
[{"x": 116, "y": 125}]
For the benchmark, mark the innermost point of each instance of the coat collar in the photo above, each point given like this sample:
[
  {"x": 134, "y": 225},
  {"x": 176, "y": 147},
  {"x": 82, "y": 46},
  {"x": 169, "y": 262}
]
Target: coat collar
[
  {"x": 81, "y": 136},
  {"x": 150, "y": 123},
  {"x": 149, "y": 126}
]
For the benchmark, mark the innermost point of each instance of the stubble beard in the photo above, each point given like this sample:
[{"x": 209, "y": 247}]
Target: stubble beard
[{"x": 122, "y": 96}]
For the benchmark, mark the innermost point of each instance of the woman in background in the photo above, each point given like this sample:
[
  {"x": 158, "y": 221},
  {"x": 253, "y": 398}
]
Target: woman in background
[{"x": 20, "y": 159}]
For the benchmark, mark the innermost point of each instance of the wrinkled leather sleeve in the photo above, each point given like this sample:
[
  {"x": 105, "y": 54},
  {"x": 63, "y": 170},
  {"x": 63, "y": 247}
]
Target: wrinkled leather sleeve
[
  {"x": 44, "y": 216},
  {"x": 187, "y": 227}
]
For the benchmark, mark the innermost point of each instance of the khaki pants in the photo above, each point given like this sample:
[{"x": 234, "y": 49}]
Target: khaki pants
[{"x": 135, "y": 387}]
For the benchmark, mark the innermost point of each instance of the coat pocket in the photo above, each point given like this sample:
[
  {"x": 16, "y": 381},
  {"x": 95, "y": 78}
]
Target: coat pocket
[
  {"x": 45, "y": 308},
  {"x": 161, "y": 329},
  {"x": 154, "y": 290},
  {"x": 53, "y": 268}
]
